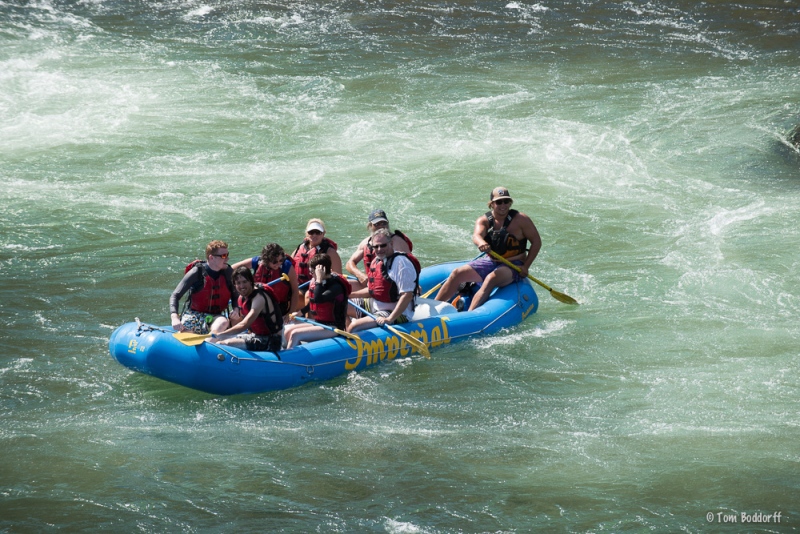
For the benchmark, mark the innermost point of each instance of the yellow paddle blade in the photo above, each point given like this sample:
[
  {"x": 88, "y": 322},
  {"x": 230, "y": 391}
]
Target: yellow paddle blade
[
  {"x": 418, "y": 345},
  {"x": 561, "y": 297},
  {"x": 190, "y": 338},
  {"x": 347, "y": 334}
]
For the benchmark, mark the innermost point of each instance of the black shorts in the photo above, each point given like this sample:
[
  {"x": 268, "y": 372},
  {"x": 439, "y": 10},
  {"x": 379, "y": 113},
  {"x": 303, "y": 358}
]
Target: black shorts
[{"x": 256, "y": 343}]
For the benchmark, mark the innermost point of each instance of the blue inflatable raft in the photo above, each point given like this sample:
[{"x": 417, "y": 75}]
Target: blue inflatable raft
[{"x": 223, "y": 370}]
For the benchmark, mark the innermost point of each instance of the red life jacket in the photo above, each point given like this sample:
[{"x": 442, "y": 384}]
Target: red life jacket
[
  {"x": 265, "y": 324},
  {"x": 369, "y": 250},
  {"x": 302, "y": 255},
  {"x": 283, "y": 289},
  {"x": 383, "y": 288},
  {"x": 334, "y": 312},
  {"x": 214, "y": 295}
]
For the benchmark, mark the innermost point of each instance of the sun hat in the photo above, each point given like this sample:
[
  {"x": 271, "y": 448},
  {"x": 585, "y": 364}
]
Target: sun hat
[{"x": 315, "y": 225}]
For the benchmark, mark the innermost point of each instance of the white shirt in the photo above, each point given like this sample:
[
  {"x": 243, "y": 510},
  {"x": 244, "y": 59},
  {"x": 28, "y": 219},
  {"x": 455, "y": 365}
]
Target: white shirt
[{"x": 405, "y": 276}]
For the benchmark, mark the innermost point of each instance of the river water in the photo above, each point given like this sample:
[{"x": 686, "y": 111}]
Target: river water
[{"x": 648, "y": 141}]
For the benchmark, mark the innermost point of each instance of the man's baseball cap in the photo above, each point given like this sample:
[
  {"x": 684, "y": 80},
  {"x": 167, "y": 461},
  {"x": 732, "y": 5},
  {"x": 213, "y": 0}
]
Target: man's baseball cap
[
  {"x": 498, "y": 193},
  {"x": 377, "y": 216}
]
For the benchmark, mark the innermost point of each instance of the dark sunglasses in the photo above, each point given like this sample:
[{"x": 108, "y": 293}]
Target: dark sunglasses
[
  {"x": 223, "y": 256},
  {"x": 378, "y": 247},
  {"x": 503, "y": 201},
  {"x": 313, "y": 232}
]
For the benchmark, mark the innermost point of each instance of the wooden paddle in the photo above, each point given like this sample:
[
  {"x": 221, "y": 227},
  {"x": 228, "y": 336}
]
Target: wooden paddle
[
  {"x": 561, "y": 297},
  {"x": 418, "y": 345},
  {"x": 440, "y": 284},
  {"x": 328, "y": 327}
]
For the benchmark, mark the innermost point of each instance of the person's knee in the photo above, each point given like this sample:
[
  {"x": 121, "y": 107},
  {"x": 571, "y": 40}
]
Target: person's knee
[
  {"x": 360, "y": 324},
  {"x": 465, "y": 271},
  {"x": 460, "y": 275},
  {"x": 490, "y": 281},
  {"x": 219, "y": 325},
  {"x": 507, "y": 277}
]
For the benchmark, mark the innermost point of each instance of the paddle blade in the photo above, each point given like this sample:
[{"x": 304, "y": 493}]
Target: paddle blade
[
  {"x": 415, "y": 343},
  {"x": 190, "y": 338},
  {"x": 423, "y": 349},
  {"x": 347, "y": 334},
  {"x": 561, "y": 297}
]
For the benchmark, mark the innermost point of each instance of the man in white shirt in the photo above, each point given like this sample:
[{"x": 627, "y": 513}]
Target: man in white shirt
[{"x": 391, "y": 286}]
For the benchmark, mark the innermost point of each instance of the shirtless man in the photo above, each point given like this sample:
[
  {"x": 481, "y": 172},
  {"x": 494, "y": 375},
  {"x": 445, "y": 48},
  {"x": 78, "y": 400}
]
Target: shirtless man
[{"x": 506, "y": 232}]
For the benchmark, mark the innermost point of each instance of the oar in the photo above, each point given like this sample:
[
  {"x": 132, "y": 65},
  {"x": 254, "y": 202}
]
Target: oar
[
  {"x": 284, "y": 278},
  {"x": 328, "y": 327},
  {"x": 191, "y": 339},
  {"x": 440, "y": 284},
  {"x": 418, "y": 345},
  {"x": 566, "y": 299},
  {"x": 431, "y": 290}
]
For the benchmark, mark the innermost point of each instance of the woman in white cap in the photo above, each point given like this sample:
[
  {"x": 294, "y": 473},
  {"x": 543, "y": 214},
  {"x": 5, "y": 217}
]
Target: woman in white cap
[{"x": 314, "y": 243}]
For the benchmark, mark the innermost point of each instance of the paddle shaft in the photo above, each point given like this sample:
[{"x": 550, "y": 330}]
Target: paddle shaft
[
  {"x": 416, "y": 343},
  {"x": 440, "y": 284},
  {"x": 561, "y": 297},
  {"x": 327, "y": 327},
  {"x": 283, "y": 278}
]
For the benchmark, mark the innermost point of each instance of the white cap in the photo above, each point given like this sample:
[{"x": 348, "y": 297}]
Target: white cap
[{"x": 315, "y": 226}]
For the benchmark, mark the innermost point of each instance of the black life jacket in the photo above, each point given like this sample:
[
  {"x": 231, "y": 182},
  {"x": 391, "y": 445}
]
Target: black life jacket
[
  {"x": 330, "y": 313},
  {"x": 501, "y": 241}
]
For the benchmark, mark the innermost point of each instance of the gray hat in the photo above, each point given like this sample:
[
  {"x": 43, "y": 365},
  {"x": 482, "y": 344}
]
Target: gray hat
[{"x": 377, "y": 216}]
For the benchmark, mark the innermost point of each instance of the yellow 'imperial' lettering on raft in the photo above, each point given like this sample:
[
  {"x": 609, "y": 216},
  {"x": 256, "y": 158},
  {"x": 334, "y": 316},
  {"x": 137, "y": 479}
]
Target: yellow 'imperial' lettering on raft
[
  {"x": 440, "y": 337},
  {"x": 375, "y": 351},
  {"x": 528, "y": 311},
  {"x": 392, "y": 346}
]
